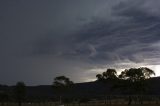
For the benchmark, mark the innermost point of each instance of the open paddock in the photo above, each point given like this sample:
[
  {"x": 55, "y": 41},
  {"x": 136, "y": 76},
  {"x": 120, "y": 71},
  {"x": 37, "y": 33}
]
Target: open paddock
[{"x": 83, "y": 104}]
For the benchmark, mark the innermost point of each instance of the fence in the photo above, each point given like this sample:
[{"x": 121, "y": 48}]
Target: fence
[{"x": 116, "y": 100}]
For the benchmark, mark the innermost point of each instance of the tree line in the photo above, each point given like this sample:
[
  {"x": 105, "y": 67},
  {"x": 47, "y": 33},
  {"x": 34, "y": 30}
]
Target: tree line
[{"x": 130, "y": 81}]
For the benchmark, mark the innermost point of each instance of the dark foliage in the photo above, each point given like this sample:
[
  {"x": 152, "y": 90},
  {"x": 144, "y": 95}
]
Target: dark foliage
[{"x": 20, "y": 92}]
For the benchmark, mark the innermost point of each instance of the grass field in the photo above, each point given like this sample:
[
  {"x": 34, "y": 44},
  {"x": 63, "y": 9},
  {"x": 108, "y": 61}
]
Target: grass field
[{"x": 82, "y": 104}]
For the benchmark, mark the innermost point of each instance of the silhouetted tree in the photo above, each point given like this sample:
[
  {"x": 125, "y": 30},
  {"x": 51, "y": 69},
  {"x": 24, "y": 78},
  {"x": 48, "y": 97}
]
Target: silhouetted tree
[
  {"x": 99, "y": 77},
  {"x": 133, "y": 80},
  {"x": 61, "y": 84},
  {"x": 110, "y": 74},
  {"x": 20, "y": 92},
  {"x": 136, "y": 74}
]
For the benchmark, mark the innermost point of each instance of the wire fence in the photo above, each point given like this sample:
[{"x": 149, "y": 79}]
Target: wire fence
[{"x": 116, "y": 100}]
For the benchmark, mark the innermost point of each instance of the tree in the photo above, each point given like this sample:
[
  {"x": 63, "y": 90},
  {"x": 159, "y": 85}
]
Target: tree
[
  {"x": 136, "y": 74},
  {"x": 99, "y": 77},
  {"x": 110, "y": 74},
  {"x": 61, "y": 84},
  {"x": 133, "y": 80},
  {"x": 20, "y": 92}
]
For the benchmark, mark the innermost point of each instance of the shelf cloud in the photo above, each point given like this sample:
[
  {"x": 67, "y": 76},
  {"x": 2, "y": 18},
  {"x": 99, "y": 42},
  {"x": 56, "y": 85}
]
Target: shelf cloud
[{"x": 42, "y": 39}]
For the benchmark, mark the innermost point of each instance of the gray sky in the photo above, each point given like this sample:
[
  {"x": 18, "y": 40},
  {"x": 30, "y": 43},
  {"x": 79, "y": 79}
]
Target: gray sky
[{"x": 42, "y": 39}]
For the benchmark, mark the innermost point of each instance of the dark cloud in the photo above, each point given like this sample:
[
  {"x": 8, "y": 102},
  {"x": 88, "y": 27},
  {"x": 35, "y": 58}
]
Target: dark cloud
[
  {"x": 125, "y": 38},
  {"x": 43, "y": 39}
]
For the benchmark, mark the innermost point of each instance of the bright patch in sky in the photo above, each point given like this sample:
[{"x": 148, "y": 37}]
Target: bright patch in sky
[
  {"x": 155, "y": 68},
  {"x": 94, "y": 72}
]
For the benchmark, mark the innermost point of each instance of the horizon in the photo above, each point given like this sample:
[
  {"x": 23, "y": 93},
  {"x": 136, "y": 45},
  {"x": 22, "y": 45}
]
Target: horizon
[
  {"x": 90, "y": 80},
  {"x": 42, "y": 39}
]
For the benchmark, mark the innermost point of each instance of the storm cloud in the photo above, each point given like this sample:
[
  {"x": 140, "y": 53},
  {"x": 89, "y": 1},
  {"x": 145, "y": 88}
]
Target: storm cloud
[{"x": 42, "y": 39}]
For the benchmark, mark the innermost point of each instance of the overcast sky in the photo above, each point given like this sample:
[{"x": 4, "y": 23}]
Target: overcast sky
[{"x": 42, "y": 39}]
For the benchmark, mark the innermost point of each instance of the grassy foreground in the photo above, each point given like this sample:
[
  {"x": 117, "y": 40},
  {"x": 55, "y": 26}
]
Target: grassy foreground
[{"x": 82, "y": 104}]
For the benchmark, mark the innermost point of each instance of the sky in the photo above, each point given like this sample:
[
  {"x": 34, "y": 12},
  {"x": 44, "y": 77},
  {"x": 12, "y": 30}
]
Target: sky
[{"x": 42, "y": 39}]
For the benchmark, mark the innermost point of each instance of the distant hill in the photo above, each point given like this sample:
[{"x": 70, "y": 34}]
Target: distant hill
[
  {"x": 87, "y": 89},
  {"x": 90, "y": 89}
]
